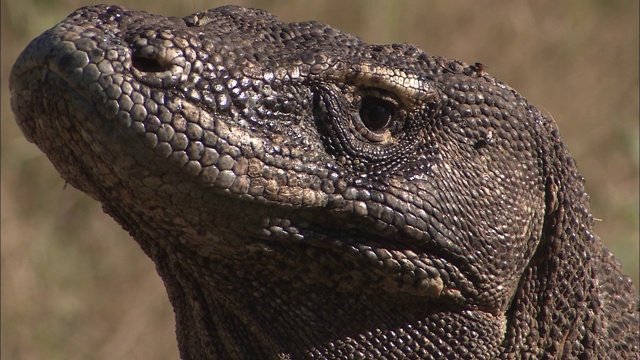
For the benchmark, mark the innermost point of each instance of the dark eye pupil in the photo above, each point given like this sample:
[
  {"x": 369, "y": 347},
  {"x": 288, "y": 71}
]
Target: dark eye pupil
[{"x": 376, "y": 115}]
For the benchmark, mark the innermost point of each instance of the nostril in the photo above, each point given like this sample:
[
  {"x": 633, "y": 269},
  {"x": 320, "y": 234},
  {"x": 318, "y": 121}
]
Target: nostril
[
  {"x": 148, "y": 65},
  {"x": 156, "y": 61}
]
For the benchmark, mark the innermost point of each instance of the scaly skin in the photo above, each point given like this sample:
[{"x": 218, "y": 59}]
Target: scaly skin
[{"x": 306, "y": 195}]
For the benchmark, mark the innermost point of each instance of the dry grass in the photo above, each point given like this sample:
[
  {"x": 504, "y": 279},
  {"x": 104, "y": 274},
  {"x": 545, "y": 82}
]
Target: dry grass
[{"x": 75, "y": 286}]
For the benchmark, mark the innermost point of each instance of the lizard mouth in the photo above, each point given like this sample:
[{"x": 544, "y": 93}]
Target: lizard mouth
[{"x": 351, "y": 255}]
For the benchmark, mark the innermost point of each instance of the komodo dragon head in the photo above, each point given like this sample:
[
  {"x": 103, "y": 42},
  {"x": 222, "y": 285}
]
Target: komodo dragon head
[{"x": 305, "y": 194}]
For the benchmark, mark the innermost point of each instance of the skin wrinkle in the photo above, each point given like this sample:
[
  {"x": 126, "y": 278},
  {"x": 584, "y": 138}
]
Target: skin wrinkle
[{"x": 234, "y": 150}]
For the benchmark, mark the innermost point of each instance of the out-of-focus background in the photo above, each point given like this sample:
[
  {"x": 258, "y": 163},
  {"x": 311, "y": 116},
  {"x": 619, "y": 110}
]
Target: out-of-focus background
[{"x": 76, "y": 286}]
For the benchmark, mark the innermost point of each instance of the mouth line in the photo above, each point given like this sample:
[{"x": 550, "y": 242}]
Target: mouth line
[{"x": 398, "y": 265}]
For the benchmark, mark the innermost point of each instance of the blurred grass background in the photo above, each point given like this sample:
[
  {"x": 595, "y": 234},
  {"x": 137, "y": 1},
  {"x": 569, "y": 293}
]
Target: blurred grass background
[{"x": 75, "y": 286}]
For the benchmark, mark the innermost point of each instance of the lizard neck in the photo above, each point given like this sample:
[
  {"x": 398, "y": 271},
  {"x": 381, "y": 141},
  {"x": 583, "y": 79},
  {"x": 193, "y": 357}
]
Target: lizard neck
[{"x": 219, "y": 316}]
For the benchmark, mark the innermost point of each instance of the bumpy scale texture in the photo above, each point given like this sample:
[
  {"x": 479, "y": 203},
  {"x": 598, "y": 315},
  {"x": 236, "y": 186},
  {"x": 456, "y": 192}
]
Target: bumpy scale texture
[{"x": 307, "y": 195}]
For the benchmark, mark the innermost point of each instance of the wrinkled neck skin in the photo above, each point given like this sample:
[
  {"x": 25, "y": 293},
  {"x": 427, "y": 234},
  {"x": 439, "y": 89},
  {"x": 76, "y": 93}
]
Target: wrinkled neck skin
[
  {"x": 306, "y": 195},
  {"x": 248, "y": 298}
]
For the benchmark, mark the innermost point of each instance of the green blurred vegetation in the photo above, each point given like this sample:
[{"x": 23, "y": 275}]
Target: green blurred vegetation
[{"x": 75, "y": 286}]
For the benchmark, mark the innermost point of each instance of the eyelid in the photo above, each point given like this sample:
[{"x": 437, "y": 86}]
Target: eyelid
[
  {"x": 410, "y": 89},
  {"x": 382, "y": 94}
]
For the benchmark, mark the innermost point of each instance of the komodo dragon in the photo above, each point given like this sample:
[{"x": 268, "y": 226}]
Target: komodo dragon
[{"x": 306, "y": 195}]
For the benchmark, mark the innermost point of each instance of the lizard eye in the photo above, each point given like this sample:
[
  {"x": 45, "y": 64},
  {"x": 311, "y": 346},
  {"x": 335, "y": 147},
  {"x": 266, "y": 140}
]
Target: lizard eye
[{"x": 376, "y": 116}]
